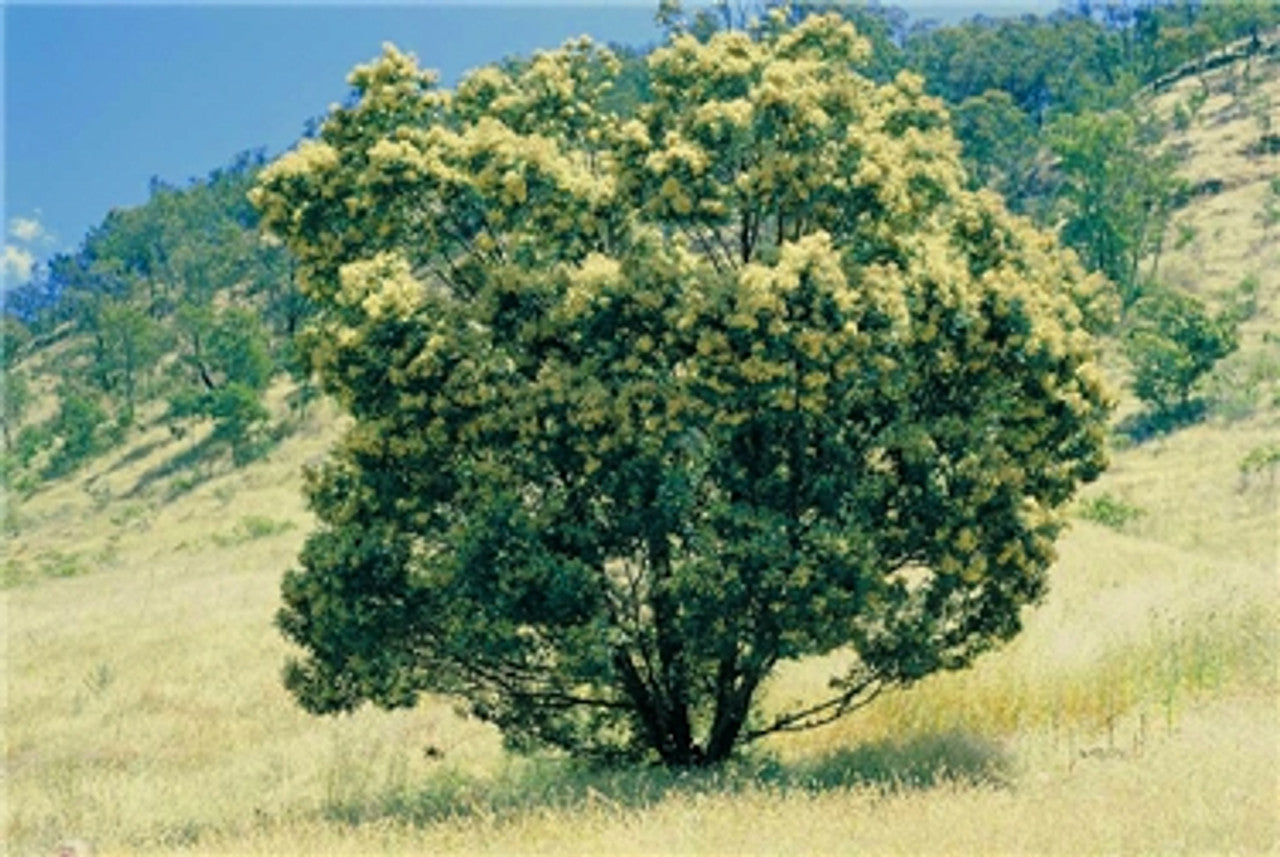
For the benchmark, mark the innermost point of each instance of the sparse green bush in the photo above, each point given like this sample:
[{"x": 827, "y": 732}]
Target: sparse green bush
[
  {"x": 1186, "y": 235},
  {"x": 240, "y": 420},
  {"x": 1109, "y": 510},
  {"x": 10, "y": 470},
  {"x": 50, "y": 563},
  {"x": 15, "y": 398},
  {"x": 252, "y": 527},
  {"x": 82, "y": 425},
  {"x": 1197, "y": 100},
  {"x": 1260, "y": 459},
  {"x": 1172, "y": 342},
  {"x": 230, "y": 354},
  {"x": 184, "y": 482},
  {"x": 1244, "y": 298},
  {"x": 1243, "y": 383},
  {"x": 1182, "y": 117},
  {"x": 1267, "y": 144},
  {"x": 31, "y": 441},
  {"x": 1269, "y": 216},
  {"x": 259, "y": 526},
  {"x": 123, "y": 515},
  {"x": 14, "y": 572}
]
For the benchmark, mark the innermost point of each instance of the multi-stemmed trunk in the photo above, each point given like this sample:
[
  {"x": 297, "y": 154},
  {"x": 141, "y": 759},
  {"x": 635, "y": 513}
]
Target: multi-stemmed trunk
[{"x": 666, "y": 715}]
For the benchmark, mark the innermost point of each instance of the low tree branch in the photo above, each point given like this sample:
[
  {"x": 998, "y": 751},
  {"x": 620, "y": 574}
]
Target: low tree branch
[{"x": 824, "y": 712}]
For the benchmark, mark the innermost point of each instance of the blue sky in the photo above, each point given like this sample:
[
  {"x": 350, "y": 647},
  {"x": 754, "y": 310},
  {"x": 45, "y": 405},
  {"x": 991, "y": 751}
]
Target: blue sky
[{"x": 100, "y": 98}]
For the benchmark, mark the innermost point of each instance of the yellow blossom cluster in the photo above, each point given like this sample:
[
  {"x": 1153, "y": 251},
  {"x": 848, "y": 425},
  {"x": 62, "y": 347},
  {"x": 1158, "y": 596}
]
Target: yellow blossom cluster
[
  {"x": 770, "y": 234},
  {"x": 382, "y": 287},
  {"x": 827, "y": 38}
]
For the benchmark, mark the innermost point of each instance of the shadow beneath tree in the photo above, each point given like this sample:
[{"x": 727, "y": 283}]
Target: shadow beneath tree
[
  {"x": 921, "y": 762},
  {"x": 536, "y": 786},
  {"x": 138, "y": 453},
  {"x": 184, "y": 471},
  {"x": 1151, "y": 424}
]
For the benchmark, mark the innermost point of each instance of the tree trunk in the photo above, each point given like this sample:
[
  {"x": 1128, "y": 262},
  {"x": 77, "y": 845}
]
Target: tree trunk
[
  {"x": 733, "y": 700},
  {"x": 667, "y": 727}
]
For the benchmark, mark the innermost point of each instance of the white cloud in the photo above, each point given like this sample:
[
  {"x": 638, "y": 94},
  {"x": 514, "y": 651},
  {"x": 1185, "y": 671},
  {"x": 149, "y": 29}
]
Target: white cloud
[
  {"x": 26, "y": 229},
  {"x": 29, "y": 230},
  {"x": 16, "y": 265}
]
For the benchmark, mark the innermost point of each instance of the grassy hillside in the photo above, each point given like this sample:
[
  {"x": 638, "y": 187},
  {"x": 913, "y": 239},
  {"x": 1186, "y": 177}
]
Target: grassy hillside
[{"x": 1137, "y": 713}]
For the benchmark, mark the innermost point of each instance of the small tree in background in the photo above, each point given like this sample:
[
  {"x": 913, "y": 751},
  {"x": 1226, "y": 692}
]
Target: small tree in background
[
  {"x": 1172, "y": 342},
  {"x": 645, "y": 407},
  {"x": 82, "y": 427},
  {"x": 1116, "y": 197},
  {"x": 1000, "y": 145},
  {"x": 15, "y": 392},
  {"x": 130, "y": 345},
  {"x": 15, "y": 398},
  {"x": 228, "y": 358}
]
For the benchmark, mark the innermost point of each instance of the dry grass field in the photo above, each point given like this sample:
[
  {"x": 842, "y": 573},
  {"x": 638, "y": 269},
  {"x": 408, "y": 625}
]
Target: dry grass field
[{"x": 1138, "y": 713}]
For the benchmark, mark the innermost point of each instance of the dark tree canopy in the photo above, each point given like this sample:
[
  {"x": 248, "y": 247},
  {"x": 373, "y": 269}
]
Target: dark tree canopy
[{"x": 644, "y": 406}]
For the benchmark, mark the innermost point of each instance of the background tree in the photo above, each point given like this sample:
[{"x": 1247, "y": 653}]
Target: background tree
[
  {"x": 643, "y": 407},
  {"x": 1001, "y": 147},
  {"x": 15, "y": 392},
  {"x": 15, "y": 398},
  {"x": 1117, "y": 193},
  {"x": 178, "y": 302},
  {"x": 131, "y": 344},
  {"x": 82, "y": 425},
  {"x": 1173, "y": 341},
  {"x": 228, "y": 360}
]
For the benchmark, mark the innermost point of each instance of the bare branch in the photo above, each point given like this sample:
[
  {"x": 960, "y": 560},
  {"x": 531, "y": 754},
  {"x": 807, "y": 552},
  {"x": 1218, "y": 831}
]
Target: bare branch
[
  {"x": 707, "y": 249},
  {"x": 824, "y": 712},
  {"x": 514, "y": 681}
]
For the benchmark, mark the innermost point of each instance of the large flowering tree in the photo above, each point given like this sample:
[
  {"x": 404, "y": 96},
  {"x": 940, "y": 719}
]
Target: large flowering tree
[{"x": 645, "y": 405}]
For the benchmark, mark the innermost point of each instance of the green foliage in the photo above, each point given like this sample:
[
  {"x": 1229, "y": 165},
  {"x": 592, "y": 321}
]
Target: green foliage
[
  {"x": 228, "y": 356},
  {"x": 187, "y": 276},
  {"x": 1172, "y": 341},
  {"x": 15, "y": 339},
  {"x": 645, "y": 406},
  {"x": 1116, "y": 195},
  {"x": 220, "y": 346},
  {"x": 1269, "y": 216},
  {"x": 82, "y": 427},
  {"x": 50, "y": 563},
  {"x": 1109, "y": 510},
  {"x": 1260, "y": 459},
  {"x": 15, "y": 390},
  {"x": 1244, "y": 298},
  {"x": 1000, "y": 145},
  {"x": 252, "y": 527},
  {"x": 1066, "y": 64},
  {"x": 240, "y": 420},
  {"x": 1186, "y": 235},
  {"x": 30, "y": 441},
  {"x": 1182, "y": 117},
  {"x": 129, "y": 346},
  {"x": 15, "y": 398}
]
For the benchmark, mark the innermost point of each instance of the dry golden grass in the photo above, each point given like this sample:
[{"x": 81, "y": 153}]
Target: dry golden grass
[
  {"x": 1224, "y": 237},
  {"x": 1136, "y": 714}
]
